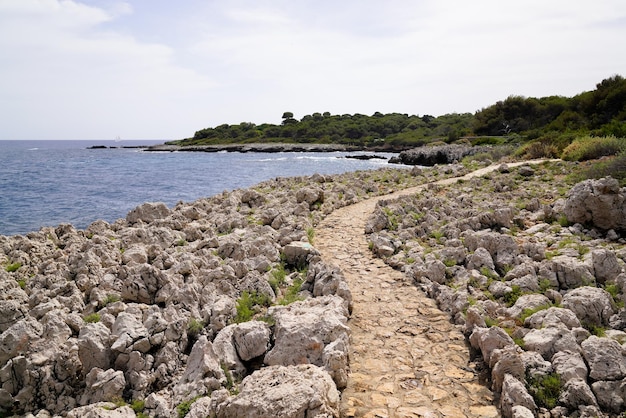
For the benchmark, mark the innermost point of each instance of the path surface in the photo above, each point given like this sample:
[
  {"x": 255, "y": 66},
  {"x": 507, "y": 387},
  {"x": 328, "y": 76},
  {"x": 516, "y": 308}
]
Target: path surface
[{"x": 406, "y": 359}]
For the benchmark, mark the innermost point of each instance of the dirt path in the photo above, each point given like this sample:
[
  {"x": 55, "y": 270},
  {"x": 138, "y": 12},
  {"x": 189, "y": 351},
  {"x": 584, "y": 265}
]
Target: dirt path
[{"x": 406, "y": 359}]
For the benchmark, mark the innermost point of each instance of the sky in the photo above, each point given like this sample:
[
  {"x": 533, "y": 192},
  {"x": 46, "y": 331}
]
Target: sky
[{"x": 162, "y": 69}]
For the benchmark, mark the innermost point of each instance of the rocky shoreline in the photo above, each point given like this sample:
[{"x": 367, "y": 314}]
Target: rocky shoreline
[
  {"x": 532, "y": 269},
  {"x": 191, "y": 309},
  {"x": 223, "y": 306}
]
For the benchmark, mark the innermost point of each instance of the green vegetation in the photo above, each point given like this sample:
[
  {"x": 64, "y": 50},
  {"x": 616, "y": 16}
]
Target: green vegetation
[
  {"x": 593, "y": 122},
  {"x": 545, "y": 389},
  {"x": 184, "y": 407},
  {"x": 310, "y": 234},
  {"x": 249, "y": 304},
  {"x": 111, "y": 298},
  {"x": 92, "y": 318},
  {"x": 591, "y": 148},
  {"x": 194, "y": 327},
  {"x": 10, "y": 268},
  {"x": 292, "y": 293},
  {"x": 511, "y": 297}
]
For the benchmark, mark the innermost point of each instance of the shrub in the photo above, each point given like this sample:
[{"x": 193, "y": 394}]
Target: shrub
[
  {"x": 184, "y": 407},
  {"x": 545, "y": 389},
  {"x": 277, "y": 279},
  {"x": 591, "y": 148},
  {"x": 249, "y": 304},
  {"x": 614, "y": 167},
  {"x": 92, "y": 318},
  {"x": 194, "y": 327},
  {"x": 292, "y": 293}
]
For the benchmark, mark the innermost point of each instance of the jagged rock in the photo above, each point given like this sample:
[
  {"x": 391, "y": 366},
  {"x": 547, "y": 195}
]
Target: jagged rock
[
  {"x": 17, "y": 338},
  {"x": 519, "y": 411},
  {"x": 303, "y": 329},
  {"x": 592, "y": 305},
  {"x": 489, "y": 339},
  {"x": 548, "y": 341},
  {"x": 310, "y": 195},
  {"x": 506, "y": 361},
  {"x": 203, "y": 372},
  {"x": 553, "y": 317},
  {"x": 514, "y": 393},
  {"x": 93, "y": 347},
  {"x": 101, "y": 410},
  {"x": 611, "y": 395},
  {"x": 251, "y": 339},
  {"x": 377, "y": 221},
  {"x": 224, "y": 347},
  {"x": 571, "y": 272},
  {"x": 103, "y": 386},
  {"x": 502, "y": 248},
  {"x": 530, "y": 302},
  {"x": 297, "y": 253},
  {"x": 148, "y": 212},
  {"x": 278, "y": 391},
  {"x": 570, "y": 365},
  {"x": 328, "y": 280},
  {"x": 605, "y": 357},
  {"x": 605, "y": 265},
  {"x": 382, "y": 246},
  {"x": 432, "y": 269},
  {"x": 597, "y": 202},
  {"x": 429, "y": 156},
  {"x": 577, "y": 392}
]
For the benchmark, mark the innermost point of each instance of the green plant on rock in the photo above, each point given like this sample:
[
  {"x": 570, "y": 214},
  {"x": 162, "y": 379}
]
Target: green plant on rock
[
  {"x": 292, "y": 293},
  {"x": 92, "y": 318},
  {"x": 12, "y": 267},
  {"x": 511, "y": 297},
  {"x": 183, "y": 408},
  {"x": 249, "y": 304},
  {"x": 310, "y": 234},
  {"x": 545, "y": 389},
  {"x": 531, "y": 311},
  {"x": 194, "y": 327},
  {"x": 111, "y": 298},
  {"x": 277, "y": 277}
]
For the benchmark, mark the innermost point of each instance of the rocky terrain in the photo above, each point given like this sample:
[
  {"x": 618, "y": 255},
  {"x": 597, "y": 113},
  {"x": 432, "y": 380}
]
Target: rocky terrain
[
  {"x": 532, "y": 269},
  {"x": 224, "y": 307},
  {"x": 218, "y": 306}
]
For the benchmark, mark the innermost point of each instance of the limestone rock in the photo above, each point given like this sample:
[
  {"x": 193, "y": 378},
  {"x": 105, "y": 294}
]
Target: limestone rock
[
  {"x": 592, "y": 305},
  {"x": 251, "y": 339},
  {"x": 148, "y": 212},
  {"x": 570, "y": 365},
  {"x": 570, "y": 272},
  {"x": 489, "y": 339},
  {"x": 304, "y": 329},
  {"x": 611, "y": 395},
  {"x": 93, "y": 347},
  {"x": 577, "y": 392},
  {"x": 553, "y": 317},
  {"x": 605, "y": 265},
  {"x": 297, "y": 253},
  {"x": 598, "y": 202},
  {"x": 548, "y": 341},
  {"x": 103, "y": 386},
  {"x": 605, "y": 357},
  {"x": 278, "y": 391},
  {"x": 101, "y": 410},
  {"x": 514, "y": 393}
]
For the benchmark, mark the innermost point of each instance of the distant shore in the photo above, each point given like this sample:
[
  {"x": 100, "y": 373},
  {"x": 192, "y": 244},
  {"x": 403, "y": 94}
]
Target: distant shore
[{"x": 256, "y": 147}]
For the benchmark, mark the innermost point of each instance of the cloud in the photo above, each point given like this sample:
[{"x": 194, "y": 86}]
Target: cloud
[
  {"x": 64, "y": 73},
  {"x": 140, "y": 68}
]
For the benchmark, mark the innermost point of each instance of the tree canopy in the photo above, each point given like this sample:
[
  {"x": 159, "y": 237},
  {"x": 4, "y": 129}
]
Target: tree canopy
[{"x": 517, "y": 118}]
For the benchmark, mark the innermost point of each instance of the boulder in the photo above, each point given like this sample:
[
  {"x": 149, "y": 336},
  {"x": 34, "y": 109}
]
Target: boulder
[
  {"x": 490, "y": 339},
  {"x": 251, "y": 339},
  {"x": 298, "y": 253},
  {"x": 548, "y": 341},
  {"x": 570, "y": 365},
  {"x": 593, "y": 306},
  {"x": 329, "y": 280},
  {"x": 611, "y": 395},
  {"x": 203, "y": 372},
  {"x": 103, "y": 386},
  {"x": 502, "y": 248},
  {"x": 277, "y": 391},
  {"x": 605, "y": 357},
  {"x": 600, "y": 203},
  {"x": 606, "y": 267},
  {"x": 303, "y": 330},
  {"x": 147, "y": 213},
  {"x": 224, "y": 347},
  {"x": 514, "y": 393},
  {"x": 571, "y": 272},
  {"x": 101, "y": 410},
  {"x": 93, "y": 347},
  {"x": 530, "y": 302},
  {"x": 576, "y": 392},
  {"x": 553, "y": 317}
]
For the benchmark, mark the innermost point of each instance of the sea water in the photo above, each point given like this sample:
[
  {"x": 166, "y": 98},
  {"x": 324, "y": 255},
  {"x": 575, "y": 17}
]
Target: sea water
[{"x": 47, "y": 183}]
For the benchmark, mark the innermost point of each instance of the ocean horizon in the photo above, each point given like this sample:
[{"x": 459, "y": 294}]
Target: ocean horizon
[{"x": 52, "y": 182}]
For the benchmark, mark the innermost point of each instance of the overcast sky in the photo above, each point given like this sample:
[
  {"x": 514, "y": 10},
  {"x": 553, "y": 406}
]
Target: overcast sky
[{"x": 162, "y": 69}]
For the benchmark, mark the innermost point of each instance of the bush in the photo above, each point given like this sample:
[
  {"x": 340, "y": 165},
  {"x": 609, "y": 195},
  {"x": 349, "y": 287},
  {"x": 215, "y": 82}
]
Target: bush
[
  {"x": 592, "y": 148},
  {"x": 614, "y": 167},
  {"x": 10, "y": 268},
  {"x": 92, "y": 318},
  {"x": 545, "y": 389},
  {"x": 249, "y": 304}
]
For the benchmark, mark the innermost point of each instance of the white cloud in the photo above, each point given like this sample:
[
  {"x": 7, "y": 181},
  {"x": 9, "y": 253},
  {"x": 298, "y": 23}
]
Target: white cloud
[{"x": 164, "y": 69}]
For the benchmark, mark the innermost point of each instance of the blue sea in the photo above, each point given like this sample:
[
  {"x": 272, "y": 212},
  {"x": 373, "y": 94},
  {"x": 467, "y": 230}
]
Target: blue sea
[{"x": 46, "y": 183}]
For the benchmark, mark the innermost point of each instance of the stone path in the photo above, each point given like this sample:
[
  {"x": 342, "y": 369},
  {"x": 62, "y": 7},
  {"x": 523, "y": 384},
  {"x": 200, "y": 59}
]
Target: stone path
[{"x": 406, "y": 359}]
